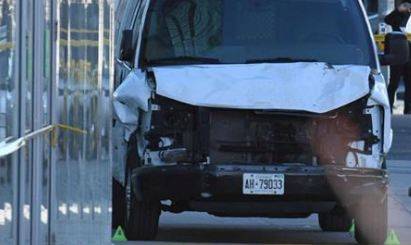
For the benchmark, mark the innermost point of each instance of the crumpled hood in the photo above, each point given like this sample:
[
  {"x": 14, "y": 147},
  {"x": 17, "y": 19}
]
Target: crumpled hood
[{"x": 311, "y": 87}]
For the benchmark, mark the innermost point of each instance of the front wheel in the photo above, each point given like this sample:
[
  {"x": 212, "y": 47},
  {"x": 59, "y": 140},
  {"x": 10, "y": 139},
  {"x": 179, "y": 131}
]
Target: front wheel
[
  {"x": 142, "y": 217},
  {"x": 371, "y": 222},
  {"x": 118, "y": 203},
  {"x": 335, "y": 220}
]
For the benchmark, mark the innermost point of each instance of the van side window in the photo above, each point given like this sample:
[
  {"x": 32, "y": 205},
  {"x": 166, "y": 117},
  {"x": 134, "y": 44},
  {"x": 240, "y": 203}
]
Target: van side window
[
  {"x": 126, "y": 13},
  {"x": 138, "y": 21},
  {"x": 121, "y": 10}
]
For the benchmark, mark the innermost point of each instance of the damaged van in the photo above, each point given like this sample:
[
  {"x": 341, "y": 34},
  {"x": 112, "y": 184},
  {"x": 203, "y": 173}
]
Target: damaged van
[{"x": 251, "y": 108}]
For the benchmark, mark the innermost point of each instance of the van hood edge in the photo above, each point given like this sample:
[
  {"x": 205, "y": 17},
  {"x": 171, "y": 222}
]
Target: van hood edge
[{"x": 312, "y": 87}]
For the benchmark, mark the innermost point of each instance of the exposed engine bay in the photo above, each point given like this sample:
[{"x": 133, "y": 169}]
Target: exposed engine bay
[{"x": 181, "y": 133}]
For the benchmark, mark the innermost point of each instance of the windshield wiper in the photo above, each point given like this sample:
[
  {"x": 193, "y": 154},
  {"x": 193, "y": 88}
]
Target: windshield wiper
[
  {"x": 279, "y": 60},
  {"x": 183, "y": 60}
]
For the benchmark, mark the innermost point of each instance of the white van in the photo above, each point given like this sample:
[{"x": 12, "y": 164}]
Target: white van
[{"x": 251, "y": 108}]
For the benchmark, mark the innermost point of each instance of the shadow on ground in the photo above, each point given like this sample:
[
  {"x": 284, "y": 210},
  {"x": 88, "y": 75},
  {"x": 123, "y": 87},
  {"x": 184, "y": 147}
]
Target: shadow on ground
[{"x": 252, "y": 235}]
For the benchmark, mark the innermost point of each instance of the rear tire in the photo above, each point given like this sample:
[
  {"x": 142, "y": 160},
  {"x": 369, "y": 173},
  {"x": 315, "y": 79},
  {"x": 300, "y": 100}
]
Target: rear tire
[
  {"x": 335, "y": 221},
  {"x": 371, "y": 222}
]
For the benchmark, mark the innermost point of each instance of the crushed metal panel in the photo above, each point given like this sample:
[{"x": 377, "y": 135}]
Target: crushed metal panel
[
  {"x": 313, "y": 87},
  {"x": 129, "y": 98},
  {"x": 379, "y": 96},
  {"x": 134, "y": 91}
]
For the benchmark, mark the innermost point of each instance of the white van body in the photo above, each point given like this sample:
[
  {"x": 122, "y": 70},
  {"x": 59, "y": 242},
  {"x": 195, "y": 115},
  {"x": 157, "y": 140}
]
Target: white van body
[
  {"x": 223, "y": 104},
  {"x": 318, "y": 88}
]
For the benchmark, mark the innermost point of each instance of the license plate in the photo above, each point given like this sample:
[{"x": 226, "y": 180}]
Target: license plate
[{"x": 263, "y": 184}]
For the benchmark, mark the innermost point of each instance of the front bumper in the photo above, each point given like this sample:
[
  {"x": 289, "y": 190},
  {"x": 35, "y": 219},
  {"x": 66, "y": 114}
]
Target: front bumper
[{"x": 223, "y": 183}]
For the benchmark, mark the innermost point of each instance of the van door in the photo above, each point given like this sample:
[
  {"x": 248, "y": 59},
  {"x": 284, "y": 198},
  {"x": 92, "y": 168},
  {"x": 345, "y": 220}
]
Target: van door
[{"x": 133, "y": 20}]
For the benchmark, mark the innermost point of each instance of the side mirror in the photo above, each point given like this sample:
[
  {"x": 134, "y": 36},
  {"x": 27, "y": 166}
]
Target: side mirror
[
  {"x": 126, "y": 46},
  {"x": 397, "y": 49}
]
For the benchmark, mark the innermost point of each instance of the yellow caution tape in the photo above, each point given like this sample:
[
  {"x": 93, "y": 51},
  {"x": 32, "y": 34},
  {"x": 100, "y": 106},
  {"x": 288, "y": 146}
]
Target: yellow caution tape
[
  {"x": 82, "y": 43},
  {"x": 381, "y": 37},
  {"x": 54, "y": 133},
  {"x": 71, "y": 128},
  {"x": 8, "y": 147},
  {"x": 64, "y": 43},
  {"x": 380, "y": 40},
  {"x": 86, "y": 31},
  {"x": 5, "y": 46}
]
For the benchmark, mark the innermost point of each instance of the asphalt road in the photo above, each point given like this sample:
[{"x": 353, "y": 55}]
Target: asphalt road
[{"x": 195, "y": 228}]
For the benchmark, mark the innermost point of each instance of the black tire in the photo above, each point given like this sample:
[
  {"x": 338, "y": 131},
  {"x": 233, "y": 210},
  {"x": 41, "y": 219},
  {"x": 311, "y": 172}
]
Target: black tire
[
  {"x": 384, "y": 163},
  {"x": 371, "y": 222},
  {"x": 335, "y": 221},
  {"x": 119, "y": 190},
  {"x": 142, "y": 217},
  {"x": 118, "y": 205}
]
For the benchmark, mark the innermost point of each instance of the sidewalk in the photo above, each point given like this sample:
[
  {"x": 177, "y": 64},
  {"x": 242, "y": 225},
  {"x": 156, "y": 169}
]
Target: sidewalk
[{"x": 400, "y": 202}]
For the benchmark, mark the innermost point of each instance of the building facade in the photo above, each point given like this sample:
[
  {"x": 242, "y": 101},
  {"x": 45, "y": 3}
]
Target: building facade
[{"x": 55, "y": 69}]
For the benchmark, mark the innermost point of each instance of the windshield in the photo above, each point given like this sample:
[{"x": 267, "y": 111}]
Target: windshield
[{"x": 255, "y": 31}]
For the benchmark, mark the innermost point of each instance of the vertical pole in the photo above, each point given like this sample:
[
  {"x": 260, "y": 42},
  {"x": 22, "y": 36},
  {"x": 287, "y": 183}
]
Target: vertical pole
[
  {"x": 22, "y": 81},
  {"x": 37, "y": 146},
  {"x": 17, "y": 119},
  {"x": 54, "y": 104},
  {"x": 109, "y": 129}
]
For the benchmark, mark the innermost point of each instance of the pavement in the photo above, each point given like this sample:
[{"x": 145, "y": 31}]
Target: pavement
[{"x": 194, "y": 228}]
